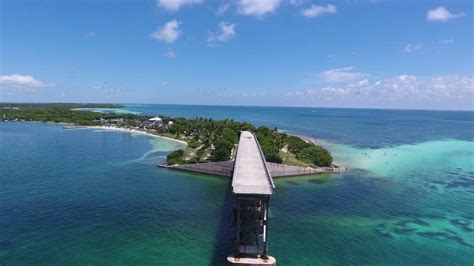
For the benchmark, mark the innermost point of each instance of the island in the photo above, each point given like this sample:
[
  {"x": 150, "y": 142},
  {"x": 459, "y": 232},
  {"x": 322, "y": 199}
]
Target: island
[{"x": 207, "y": 140}]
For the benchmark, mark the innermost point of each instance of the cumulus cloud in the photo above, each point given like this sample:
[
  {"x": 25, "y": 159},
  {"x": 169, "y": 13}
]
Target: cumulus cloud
[
  {"x": 410, "y": 48},
  {"x": 316, "y": 11},
  {"x": 343, "y": 74},
  {"x": 441, "y": 14},
  {"x": 257, "y": 8},
  {"x": 167, "y": 33},
  {"x": 17, "y": 81},
  {"x": 297, "y": 2},
  {"x": 404, "y": 91},
  {"x": 222, "y": 8},
  {"x": 109, "y": 92},
  {"x": 225, "y": 33},
  {"x": 170, "y": 53},
  {"x": 175, "y": 5}
]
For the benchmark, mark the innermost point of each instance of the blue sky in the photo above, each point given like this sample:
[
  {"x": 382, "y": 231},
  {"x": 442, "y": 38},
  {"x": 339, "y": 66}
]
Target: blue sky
[{"x": 382, "y": 54}]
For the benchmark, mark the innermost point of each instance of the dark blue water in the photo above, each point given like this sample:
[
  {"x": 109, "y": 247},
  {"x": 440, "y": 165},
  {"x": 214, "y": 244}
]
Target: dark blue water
[{"x": 82, "y": 196}]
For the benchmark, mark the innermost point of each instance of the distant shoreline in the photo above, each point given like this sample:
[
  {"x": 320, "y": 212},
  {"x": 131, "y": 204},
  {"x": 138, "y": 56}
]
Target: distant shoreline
[
  {"x": 208, "y": 139},
  {"x": 128, "y": 130},
  {"x": 334, "y": 168}
]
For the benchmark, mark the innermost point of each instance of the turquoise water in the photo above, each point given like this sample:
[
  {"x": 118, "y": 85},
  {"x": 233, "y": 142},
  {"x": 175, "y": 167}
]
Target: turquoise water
[{"x": 95, "y": 197}]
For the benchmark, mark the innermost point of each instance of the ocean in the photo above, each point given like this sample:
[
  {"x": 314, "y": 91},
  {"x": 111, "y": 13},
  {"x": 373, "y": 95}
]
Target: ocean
[{"x": 88, "y": 196}]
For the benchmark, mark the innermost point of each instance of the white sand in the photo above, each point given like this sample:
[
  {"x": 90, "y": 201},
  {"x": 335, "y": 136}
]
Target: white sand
[{"x": 135, "y": 131}]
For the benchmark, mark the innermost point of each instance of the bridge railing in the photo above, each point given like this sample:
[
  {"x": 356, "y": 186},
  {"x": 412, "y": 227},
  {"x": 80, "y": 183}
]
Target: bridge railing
[
  {"x": 235, "y": 162},
  {"x": 269, "y": 175}
]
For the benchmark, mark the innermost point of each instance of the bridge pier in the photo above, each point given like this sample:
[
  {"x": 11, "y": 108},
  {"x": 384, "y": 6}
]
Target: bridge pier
[
  {"x": 252, "y": 221},
  {"x": 252, "y": 185},
  {"x": 251, "y": 244}
]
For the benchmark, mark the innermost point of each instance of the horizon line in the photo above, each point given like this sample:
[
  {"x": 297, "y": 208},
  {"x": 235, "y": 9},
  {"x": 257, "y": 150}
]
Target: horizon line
[{"x": 237, "y": 105}]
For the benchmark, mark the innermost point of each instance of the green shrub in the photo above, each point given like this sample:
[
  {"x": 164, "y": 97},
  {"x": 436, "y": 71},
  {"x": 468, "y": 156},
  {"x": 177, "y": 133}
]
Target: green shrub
[
  {"x": 273, "y": 157},
  {"x": 175, "y": 157},
  {"x": 296, "y": 144},
  {"x": 191, "y": 161},
  {"x": 315, "y": 155},
  {"x": 193, "y": 144},
  {"x": 222, "y": 151}
]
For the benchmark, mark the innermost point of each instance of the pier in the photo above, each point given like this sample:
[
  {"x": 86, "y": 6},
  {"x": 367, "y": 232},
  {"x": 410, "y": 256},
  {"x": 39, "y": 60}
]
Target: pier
[{"x": 252, "y": 185}]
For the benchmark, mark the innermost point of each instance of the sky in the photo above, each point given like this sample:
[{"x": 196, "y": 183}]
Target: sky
[{"x": 366, "y": 54}]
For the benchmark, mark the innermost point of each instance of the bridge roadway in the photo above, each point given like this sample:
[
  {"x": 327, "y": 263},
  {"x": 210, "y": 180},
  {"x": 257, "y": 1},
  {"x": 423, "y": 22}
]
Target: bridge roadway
[
  {"x": 251, "y": 174},
  {"x": 252, "y": 185}
]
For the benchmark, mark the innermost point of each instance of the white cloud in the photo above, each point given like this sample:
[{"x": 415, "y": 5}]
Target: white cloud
[
  {"x": 222, "y": 8},
  {"x": 297, "y": 2},
  {"x": 316, "y": 11},
  {"x": 170, "y": 53},
  {"x": 109, "y": 92},
  {"x": 225, "y": 33},
  {"x": 446, "y": 41},
  {"x": 363, "y": 82},
  {"x": 167, "y": 33},
  {"x": 441, "y": 14},
  {"x": 404, "y": 91},
  {"x": 343, "y": 74},
  {"x": 257, "y": 8},
  {"x": 409, "y": 48},
  {"x": 175, "y": 5},
  {"x": 17, "y": 81}
]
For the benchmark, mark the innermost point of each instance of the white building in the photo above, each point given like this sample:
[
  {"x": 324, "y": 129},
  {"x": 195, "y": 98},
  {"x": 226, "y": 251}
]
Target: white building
[{"x": 155, "y": 119}]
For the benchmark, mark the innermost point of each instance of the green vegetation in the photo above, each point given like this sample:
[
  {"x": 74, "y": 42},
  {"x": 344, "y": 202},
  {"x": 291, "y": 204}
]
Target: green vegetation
[
  {"x": 208, "y": 139},
  {"x": 308, "y": 152},
  {"x": 315, "y": 155},
  {"x": 175, "y": 157},
  {"x": 271, "y": 143},
  {"x": 58, "y": 113}
]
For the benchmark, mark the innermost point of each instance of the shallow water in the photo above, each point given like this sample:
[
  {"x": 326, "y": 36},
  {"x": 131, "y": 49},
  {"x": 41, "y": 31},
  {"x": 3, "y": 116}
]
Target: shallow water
[{"x": 95, "y": 197}]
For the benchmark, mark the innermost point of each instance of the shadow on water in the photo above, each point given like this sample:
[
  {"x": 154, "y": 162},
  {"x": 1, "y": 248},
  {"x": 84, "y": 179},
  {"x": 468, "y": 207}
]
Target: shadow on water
[{"x": 226, "y": 230}]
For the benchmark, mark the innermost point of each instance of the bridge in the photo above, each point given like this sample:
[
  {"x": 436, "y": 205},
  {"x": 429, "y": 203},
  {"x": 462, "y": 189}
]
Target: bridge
[
  {"x": 252, "y": 185},
  {"x": 251, "y": 174}
]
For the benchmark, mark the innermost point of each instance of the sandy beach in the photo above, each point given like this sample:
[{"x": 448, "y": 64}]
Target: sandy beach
[{"x": 128, "y": 130}]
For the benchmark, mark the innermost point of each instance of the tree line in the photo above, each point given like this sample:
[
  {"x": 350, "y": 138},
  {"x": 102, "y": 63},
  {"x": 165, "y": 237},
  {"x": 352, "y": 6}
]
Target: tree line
[{"x": 208, "y": 139}]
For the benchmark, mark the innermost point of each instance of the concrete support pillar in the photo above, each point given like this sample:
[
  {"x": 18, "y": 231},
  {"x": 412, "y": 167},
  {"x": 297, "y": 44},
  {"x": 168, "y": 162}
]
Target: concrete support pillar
[
  {"x": 238, "y": 223},
  {"x": 265, "y": 227}
]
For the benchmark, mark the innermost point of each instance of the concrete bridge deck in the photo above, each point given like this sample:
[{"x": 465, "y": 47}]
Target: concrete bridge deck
[
  {"x": 252, "y": 185},
  {"x": 251, "y": 174}
]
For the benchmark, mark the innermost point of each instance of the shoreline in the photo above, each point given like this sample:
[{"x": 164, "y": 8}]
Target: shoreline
[
  {"x": 336, "y": 167},
  {"x": 323, "y": 144},
  {"x": 135, "y": 131}
]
